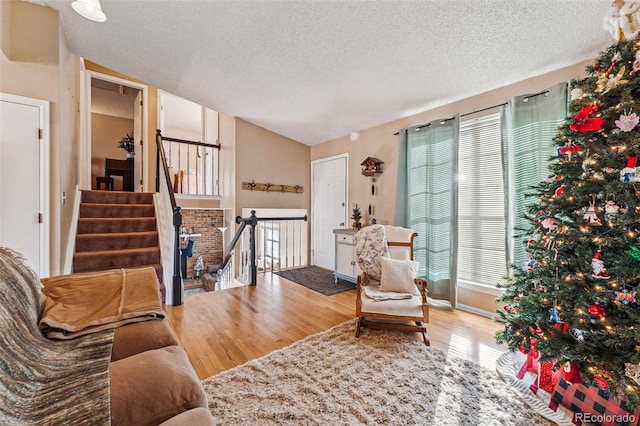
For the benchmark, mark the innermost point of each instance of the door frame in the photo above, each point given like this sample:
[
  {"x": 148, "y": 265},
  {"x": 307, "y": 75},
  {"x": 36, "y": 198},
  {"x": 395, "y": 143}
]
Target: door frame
[
  {"x": 84, "y": 141},
  {"x": 44, "y": 197},
  {"x": 313, "y": 192}
]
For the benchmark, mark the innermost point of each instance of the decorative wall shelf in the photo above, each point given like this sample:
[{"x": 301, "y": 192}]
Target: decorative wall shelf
[{"x": 269, "y": 187}]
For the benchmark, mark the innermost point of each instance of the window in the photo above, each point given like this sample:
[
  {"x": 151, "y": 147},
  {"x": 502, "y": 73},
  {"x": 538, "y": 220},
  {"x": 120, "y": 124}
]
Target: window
[{"x": 481, "y": 223}]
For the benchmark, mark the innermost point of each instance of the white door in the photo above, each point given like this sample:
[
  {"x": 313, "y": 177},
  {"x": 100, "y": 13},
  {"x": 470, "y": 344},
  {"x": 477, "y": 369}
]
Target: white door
[
  {"x": 328, "y": 207},
  {"x": 137, "y": 137},
  {"x": 24, "y": 204}
]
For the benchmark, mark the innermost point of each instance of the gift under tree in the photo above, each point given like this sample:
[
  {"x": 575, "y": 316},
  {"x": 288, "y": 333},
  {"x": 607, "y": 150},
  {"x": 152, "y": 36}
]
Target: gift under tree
[{"x": 574, "y": 303}]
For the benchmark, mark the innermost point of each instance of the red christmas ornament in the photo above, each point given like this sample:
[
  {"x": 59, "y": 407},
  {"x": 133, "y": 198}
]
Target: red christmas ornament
[
  {"x": 596, "y": 310},
  {"x": 583, "y": 123},
  {"x": 632, "y": 161},
  {"x": 560, "y": 191},
  {"x": 601, "y": 382}
]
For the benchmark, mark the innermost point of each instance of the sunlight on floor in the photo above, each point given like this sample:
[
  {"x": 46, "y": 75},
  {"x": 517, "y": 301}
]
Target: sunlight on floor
[{"x": 463, "y": 347}]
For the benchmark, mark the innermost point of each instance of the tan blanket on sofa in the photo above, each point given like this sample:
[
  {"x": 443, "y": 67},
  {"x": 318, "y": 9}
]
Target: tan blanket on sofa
[{"x": 84, "y": 303}]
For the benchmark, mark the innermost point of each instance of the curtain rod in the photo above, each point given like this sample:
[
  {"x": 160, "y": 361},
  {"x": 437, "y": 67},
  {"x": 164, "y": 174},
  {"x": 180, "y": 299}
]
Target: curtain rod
[{"x": 524, "y": 99}]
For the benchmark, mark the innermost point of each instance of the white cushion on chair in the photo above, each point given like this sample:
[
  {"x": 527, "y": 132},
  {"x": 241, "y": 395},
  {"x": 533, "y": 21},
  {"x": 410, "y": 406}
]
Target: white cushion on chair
[
  {"x": 399, "y": 275},
  {"x": 406, "y": 307},
  {"x": 398, "y": 234}
]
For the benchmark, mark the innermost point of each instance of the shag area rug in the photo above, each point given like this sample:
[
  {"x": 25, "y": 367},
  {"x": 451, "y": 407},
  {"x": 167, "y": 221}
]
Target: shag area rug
[
  {"x": 384, "y": 377},
  {"x": 318, "y": 279}
]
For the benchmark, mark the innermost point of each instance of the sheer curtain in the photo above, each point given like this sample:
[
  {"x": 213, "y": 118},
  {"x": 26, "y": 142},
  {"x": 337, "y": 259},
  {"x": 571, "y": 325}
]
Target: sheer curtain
[
  {"x": 432, "y": 202},
  {"x": 529, "y": 123},
  {"x": 401, "y": 213}
]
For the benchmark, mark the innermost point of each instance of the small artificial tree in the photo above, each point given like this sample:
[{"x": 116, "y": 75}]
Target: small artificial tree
[
  {"x": 575, "y": 301},
  {"x": 356, "y": 216}
]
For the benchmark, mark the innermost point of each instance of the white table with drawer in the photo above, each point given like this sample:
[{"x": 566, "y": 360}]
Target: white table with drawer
[{"x": 346, "y": 267}]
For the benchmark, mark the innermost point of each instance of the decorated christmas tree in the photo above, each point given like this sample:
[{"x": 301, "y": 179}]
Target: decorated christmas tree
[{"x": 575, "y": 301}]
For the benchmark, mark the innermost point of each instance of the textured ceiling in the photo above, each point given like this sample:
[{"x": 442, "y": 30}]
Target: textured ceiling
[{"x": 318, "y": 70}]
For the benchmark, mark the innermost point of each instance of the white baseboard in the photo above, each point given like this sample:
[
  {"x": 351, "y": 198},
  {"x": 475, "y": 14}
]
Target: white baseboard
[{"x": 475, "y": 310}]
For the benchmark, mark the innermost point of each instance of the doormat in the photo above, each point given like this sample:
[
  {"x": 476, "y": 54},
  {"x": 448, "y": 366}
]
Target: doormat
[{"x": 317, "y": 279}]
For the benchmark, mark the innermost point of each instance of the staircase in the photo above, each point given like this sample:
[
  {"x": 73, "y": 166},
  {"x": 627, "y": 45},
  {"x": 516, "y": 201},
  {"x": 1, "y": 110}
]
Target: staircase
[{"x": 117, "y": 230}]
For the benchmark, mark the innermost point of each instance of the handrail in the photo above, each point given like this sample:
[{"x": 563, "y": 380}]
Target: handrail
[
  {"x": 187, "y": 142},
  {"x": 176, "y": 288},
  {"x": 163, "y": 156},
  {"x": 253, "y": 221}
]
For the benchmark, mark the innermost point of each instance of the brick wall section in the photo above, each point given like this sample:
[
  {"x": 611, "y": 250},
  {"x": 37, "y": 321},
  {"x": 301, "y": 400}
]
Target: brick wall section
[{"x": 209, "y": 245}]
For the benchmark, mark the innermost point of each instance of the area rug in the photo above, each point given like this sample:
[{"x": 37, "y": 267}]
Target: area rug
[
  {"x": 193, "y": 291},
  {"x": 317, "y": 279},
  {"x": 384, "y": 377}
]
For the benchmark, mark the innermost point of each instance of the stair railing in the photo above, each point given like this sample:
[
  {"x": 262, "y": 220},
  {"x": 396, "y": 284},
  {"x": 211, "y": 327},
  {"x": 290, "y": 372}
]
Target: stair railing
[
  {"x": 176, "y": 280},
  {"x": 252, "y": 222},
  {"x": 161, "y": 159}
]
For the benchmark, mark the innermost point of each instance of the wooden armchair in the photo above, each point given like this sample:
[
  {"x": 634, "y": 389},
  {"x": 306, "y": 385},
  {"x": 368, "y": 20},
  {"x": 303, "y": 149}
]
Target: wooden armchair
[{"x": 388, "y": 294}]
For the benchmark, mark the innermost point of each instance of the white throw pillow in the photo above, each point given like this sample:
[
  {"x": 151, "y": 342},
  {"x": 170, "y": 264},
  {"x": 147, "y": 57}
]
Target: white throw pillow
[{"x": 398, "y": 275}]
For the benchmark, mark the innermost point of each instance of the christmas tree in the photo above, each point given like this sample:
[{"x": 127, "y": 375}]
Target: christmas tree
[{"x": 575, "y": 302}]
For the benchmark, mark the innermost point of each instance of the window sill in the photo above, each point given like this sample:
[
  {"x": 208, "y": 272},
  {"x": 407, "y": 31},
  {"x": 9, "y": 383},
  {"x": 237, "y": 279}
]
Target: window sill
[{"x": 482, "y": 288}]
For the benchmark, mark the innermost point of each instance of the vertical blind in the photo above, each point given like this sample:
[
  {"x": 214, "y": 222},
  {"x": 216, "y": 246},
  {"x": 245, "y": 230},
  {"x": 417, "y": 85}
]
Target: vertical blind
[{"x": 481, "y": 222}]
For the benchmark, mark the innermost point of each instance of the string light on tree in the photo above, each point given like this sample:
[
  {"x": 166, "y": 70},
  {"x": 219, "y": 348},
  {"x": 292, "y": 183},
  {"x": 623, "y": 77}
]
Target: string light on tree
[{"x": 578, "y": 307}]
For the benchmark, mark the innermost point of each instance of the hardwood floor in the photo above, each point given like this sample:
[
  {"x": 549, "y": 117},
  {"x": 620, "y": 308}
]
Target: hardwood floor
[{"x": 220, "y": 330}]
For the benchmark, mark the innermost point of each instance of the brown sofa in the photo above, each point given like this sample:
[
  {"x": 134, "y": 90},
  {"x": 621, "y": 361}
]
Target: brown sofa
[
  {"x": 152, "y": 379},
  {"x": 134, "y": 374}
]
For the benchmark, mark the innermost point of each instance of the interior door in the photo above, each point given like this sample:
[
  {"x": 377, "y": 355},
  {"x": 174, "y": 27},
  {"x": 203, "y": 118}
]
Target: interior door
[
  {"x": 24, "y": 176},
  {"x": 328, "y": 207},
  {"x": 137, "y": 137}
]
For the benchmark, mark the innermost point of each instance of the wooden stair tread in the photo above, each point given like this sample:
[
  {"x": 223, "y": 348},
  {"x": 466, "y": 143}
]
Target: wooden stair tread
[
  {"x": 117, "y": 234},
  {"x": 117, "y": 252}
]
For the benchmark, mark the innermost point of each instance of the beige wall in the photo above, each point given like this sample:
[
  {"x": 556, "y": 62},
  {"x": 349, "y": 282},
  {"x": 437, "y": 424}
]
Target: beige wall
[
  {"x": 381, "y": 142},
  {"x": 266, "y": 157},
  {"x": 106, "y": 133},
  {"x": 36, "y": 63}
]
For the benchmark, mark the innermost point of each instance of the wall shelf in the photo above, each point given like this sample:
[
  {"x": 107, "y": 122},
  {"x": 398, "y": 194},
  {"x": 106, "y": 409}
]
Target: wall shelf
[{"x": 269, "y": 187}]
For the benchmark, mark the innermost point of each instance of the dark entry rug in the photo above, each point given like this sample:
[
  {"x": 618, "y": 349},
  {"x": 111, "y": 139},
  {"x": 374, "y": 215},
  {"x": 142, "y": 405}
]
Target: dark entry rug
[{"x": 317, "y": 279}]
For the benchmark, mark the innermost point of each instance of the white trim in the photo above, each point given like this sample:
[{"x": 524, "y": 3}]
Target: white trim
[
  {"x": 84, "y": 149},
  {"x": 482, "y": 288},
  {"x": 45, "y": 197},
  {"x": 203, "y": 197},
  {"x": 474, "y": 310},
  {"x": 73, "y": 231},
  {"x": 344, "y": 155}
]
